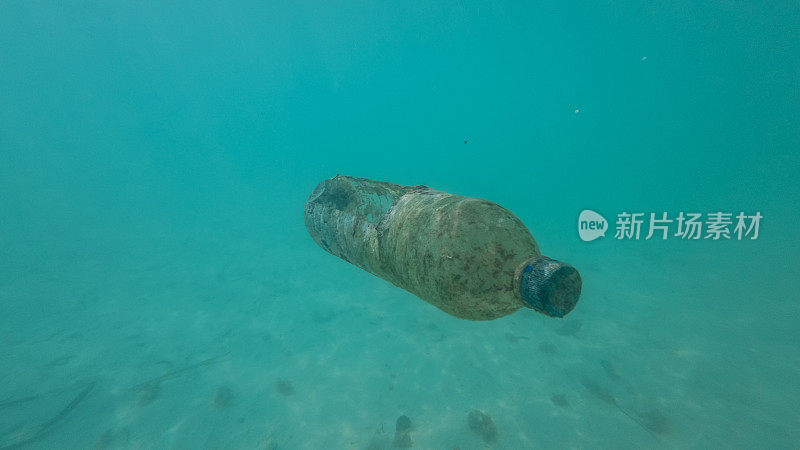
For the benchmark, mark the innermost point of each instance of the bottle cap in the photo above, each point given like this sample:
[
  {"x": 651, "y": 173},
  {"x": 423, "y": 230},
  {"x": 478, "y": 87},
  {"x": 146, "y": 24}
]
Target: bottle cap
[{"x": 549, "y": 286}]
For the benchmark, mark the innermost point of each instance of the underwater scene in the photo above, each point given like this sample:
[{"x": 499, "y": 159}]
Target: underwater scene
[{"x": 271, "y": 224}]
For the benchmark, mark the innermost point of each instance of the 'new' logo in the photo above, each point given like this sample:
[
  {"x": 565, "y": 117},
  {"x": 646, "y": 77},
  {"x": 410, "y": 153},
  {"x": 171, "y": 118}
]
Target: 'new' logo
[{"x": 591, "y": 225}]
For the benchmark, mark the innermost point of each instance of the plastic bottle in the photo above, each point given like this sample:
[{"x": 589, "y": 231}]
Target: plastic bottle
[{"x": 469, "y": 257}]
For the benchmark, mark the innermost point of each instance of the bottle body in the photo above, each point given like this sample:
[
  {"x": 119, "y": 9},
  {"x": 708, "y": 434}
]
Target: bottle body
[{"x": 466, "y": 256}]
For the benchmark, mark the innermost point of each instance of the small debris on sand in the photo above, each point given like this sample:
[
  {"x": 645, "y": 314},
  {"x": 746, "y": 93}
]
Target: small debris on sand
[
  {"x": 402, "y": 434},
  {"x": 560, "y": 400},
  {"x": 284, "y": 387},
  {"x": 223, "y": 397},
  {"x": 480, "y": 423},
  {"x": 511, "y": 337},
  {"x": 547, "y": 348}
]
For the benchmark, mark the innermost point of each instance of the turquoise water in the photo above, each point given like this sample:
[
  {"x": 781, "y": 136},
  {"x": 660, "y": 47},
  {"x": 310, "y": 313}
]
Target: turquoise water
[{"x": 159, "y": 289}]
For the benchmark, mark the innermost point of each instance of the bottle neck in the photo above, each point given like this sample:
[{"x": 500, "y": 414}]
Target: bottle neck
[{"x": 548, "y": 286}]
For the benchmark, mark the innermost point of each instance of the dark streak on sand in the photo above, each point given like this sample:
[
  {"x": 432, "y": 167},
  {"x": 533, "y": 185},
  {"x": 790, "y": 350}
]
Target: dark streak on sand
[
  {"x": 175, "y": 372},
  {"x": 29, "y": 436},
  {"x": 604, "y": 395},
  {"x": 150, "y": 389}
]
